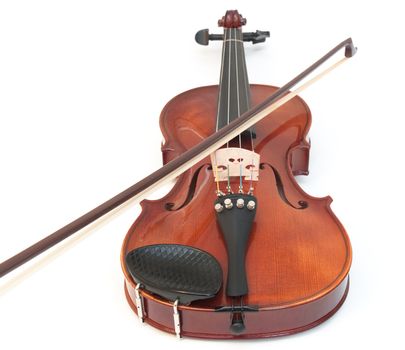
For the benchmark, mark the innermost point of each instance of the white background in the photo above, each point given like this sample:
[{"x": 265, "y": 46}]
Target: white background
[{"x": 82, "y": 84}]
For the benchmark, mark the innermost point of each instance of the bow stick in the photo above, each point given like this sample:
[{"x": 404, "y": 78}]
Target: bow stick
[{"x": 185, "y": 161}]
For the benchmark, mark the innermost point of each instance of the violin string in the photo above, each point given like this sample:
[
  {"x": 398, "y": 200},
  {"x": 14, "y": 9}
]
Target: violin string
[
  {"x": 229, "y": 43},
  {"x": 247, "y": 95},
  {"x": 238, "y": 104},
  {"x": 216, "y": 178},
  {"x": 215, "y": 170},
  {"x": 220, "y": 101},
  {"x": 220, "y": 80},
  {"x": 229, "y": 37}
]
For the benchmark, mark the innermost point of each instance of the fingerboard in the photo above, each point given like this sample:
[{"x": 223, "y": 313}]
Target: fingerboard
[{"x": 234, "y": 89}]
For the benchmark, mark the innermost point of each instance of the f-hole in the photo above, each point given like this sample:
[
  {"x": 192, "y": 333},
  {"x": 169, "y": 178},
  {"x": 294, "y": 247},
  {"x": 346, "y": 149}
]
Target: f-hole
[
  {"x": 280, "y": 188},
  {"x": 191, "y": 192}
]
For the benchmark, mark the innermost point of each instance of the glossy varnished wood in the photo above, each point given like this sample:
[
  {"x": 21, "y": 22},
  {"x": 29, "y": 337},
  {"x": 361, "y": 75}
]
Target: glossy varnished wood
[
  {"x": 267, "y": 323},
  {"x": 297, "y": 260}
]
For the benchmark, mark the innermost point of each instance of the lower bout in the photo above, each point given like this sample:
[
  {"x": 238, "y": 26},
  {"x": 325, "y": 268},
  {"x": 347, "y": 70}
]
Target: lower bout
[{"x": 265, "y": 323}]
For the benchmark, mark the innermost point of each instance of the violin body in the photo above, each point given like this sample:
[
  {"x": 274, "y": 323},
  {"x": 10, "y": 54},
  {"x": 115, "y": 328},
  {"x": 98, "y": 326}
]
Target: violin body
[
  {"x": 298, "y": 254},
  {"x": 236, "y": 249}
]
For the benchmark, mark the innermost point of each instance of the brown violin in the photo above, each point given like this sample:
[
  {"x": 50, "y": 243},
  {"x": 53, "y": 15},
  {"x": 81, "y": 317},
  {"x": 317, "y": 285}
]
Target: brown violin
[{"x": 236, "y": 249}]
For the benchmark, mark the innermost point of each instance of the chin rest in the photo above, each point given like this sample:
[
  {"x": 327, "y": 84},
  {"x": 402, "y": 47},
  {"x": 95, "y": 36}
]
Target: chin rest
[{"x": 175, "y": 271}]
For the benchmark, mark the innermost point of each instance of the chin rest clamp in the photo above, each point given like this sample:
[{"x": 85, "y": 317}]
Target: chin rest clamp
[
  {"x": 139, "y": 303},
  {"x": 176, "y": 319}
]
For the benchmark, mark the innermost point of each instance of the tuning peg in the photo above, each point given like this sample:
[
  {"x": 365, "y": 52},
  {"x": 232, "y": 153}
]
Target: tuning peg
[
  {"x": 256, "y": 37},
  {"x": 203, "y": 37}
]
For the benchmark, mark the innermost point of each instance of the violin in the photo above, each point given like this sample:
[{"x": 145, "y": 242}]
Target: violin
[{"x": 236, "y": 249}]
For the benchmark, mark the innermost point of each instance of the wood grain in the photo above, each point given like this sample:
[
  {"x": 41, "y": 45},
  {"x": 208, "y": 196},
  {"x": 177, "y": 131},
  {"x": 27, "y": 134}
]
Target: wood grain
[{"x": 297, "y": 260}]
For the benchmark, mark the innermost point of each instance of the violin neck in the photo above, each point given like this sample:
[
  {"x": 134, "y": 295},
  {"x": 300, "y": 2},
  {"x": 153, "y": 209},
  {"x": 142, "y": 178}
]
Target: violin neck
[{"x": 234, "y": 89}]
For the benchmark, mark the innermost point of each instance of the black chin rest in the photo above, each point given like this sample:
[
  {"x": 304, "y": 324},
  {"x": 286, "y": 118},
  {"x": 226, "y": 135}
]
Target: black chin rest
[{"x": 175, "y": 271}]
